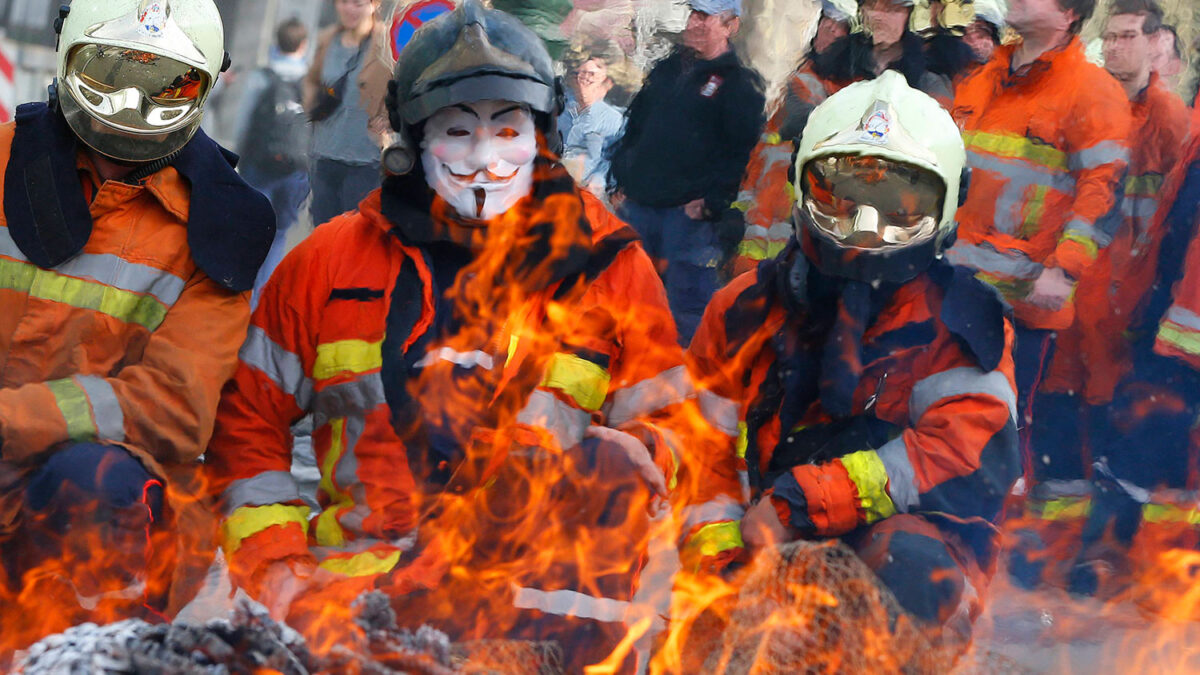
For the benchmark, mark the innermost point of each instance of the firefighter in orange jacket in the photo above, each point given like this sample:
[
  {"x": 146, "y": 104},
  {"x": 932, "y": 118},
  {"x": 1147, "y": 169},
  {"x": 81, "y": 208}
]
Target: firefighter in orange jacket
[
  {"x": 483, "y": 347},
  {"x": 1047, "y": 142},
  {"x": 123, "y": 300},
  {"x": 868, "y": 384}
]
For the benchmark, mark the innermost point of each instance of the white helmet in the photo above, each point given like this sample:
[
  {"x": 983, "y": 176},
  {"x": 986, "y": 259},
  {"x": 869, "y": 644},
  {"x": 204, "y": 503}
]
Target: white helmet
[
  {"x": 878, "y": 174},
  {"x": 133, "y": 75}
]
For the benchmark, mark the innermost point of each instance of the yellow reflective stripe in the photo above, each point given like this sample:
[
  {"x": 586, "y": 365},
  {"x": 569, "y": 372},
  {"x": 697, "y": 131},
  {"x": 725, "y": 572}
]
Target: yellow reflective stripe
[
  {"x": 582, "y": 380},
  {"x": 1185, "y": 340},
  {"x": 73, "y": 403},
  {"x": 1085, "y": 241},
  {"x": 1012, "y": 146},
  {"x": 1063, "y": 508},
  {"x": 870, "y": 477},
  {"x": 743, "y": 440},
  {"x": 362, "y": 564},
  {"x": 713, "y": 539},
  {"x": 1169, "y": 513},
  {"x": 742, "y": 205},
  {"x": 347, "y": 356},
  {"x": 1146, "y": 185},
  {"x": 760, "y": 249},
  {"x": 1034, "y": 210},
  {"x": 247, "y": 521},
  {"x": 329, "y": 530},
  {"x": 143, "y": 310},
  {"x": 772, "y": 138}
]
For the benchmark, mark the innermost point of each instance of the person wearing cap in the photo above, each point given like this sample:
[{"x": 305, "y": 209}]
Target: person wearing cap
[
  {"x": 885, "y": 42},
  {"x": 491, "y": 365},
  {"x": 866, "y": 385},
  {"x": 677, "y": 167},
  {"x": 128, "y": 248}
]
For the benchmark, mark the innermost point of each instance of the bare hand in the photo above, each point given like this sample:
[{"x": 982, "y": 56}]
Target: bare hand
[
  {"x": 695, "y": 209},
  {"x": 761, "y": 527},
  {"x": 616, "y": 199},
  {"x": 1051, "y": 289},
  {"x": 637, "y": 453}
]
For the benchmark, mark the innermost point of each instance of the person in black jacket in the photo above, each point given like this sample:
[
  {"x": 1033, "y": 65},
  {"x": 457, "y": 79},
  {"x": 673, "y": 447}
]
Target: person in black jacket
[{"x": 688, "y": 136}]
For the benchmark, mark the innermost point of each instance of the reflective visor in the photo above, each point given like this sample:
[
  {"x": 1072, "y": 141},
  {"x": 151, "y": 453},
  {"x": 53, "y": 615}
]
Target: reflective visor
[
  {"x": 134, "y": 90},
  {"x": 870, "y": 202}
]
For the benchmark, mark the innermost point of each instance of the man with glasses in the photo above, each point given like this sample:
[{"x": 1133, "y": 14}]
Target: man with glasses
[{"x": 127, "y": 253}]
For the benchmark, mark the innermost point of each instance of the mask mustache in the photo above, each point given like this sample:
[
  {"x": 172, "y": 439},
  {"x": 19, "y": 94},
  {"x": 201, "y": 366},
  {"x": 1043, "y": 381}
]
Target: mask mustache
[{"x": 485, "y": 174}]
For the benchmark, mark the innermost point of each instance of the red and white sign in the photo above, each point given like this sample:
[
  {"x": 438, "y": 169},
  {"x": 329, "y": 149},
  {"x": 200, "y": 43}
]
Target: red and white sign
[{"x": 8, "y": 83}]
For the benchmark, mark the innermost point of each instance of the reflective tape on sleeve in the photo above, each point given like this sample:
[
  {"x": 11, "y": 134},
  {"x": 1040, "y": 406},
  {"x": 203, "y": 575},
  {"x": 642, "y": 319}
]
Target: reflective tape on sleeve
[
  {"x": 650, "y": 395},
  {"x": 902, "y": 478},
  {"x": 72, "y": 402},
  {"x": 871, "y": 479},
  {"x": 268, "y": 487},
  {"x": 713, "y": 539},
  {"x": 582, "y": 380},
  {"x": 570, "y": 603},
  {"x": 282, "y": 367},
  {"x": 720, "y": 412},
  {"x": 106, "y": 407},
  {"x": 1104, "y": 152},
  {"x": 721, "y": 508},
  {"x": 368, "y": 563},
  {"x": 964, "y": 381},
  {"x": 248, "y": 521},
  {"x": 566, "y": 423}
]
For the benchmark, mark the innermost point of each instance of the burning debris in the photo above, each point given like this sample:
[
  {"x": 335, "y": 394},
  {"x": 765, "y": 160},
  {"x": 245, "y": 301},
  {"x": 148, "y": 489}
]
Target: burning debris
[{"x": 251, "y": 642}]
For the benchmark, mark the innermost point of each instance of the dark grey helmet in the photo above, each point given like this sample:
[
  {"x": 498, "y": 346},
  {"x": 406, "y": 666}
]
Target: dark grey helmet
[{"x": 471, "y": 54}]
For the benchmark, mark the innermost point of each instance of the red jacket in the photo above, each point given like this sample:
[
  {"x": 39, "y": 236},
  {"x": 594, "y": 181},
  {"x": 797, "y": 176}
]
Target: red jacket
[
  {"x": 1094, "y": 354},
  {"x": 1047, "y": 147},
  {"x": 955, "y": 453}
]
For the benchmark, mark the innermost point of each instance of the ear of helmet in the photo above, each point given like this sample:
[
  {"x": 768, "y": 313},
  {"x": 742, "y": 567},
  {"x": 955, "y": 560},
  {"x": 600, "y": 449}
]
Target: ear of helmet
[
  {"x": 133, "y": 76},
  {"x": 878, "y": 175}
]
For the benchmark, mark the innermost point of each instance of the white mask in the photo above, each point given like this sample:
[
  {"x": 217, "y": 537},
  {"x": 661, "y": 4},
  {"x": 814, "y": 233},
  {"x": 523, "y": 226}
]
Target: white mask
[{"x": 479, "y": 156}]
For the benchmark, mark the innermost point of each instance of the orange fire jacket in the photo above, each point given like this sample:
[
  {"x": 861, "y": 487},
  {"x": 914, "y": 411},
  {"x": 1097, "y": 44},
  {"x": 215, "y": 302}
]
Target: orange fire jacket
[
  {"x": 128, "y": 342},
  {"x": 1047, "y": 147},
  {"x": 314, "y": 346},
  {"x": 1094, "y": 353},
  {"x": 957, "y": 454}
]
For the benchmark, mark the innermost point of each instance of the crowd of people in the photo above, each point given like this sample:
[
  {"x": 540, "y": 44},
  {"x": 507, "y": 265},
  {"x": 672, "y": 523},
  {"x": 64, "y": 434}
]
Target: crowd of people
[{"x": 939, "y": 293}]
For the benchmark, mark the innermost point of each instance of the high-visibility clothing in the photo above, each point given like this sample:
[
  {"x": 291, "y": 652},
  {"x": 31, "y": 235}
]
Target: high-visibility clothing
[
  {"x": 1094, "y": 353},
  {"x": 129, "y": 341},
  {"x": 954, "y": 413},
  {"x": 315, "y": 346},
  {"x": 1047, "y": 147}
]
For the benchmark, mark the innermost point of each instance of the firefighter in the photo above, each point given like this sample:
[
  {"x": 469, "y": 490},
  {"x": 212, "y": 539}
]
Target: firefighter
[
  {"x": 884, "y": 42},
  {"x": 124, "y": 299},
  {"x": 483, "y": 347},
  {"x": 1047, "y": 138},
  {"x": 868, "y": 384}
]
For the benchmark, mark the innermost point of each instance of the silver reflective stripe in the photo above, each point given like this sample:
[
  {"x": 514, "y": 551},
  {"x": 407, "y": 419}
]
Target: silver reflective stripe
[
  {"x": 565, "y": 422},
  {"x": 964, "y": 381},
  {"x": 282, "y": 367},
  {"x": 720, "y": 412},
  {"x": 816, "y": 88},
  {"x": 353, "y": 519},
  {"x": 106, "y": 407},
  {"x": 268, "y": 487},
  {"x": 985, "y": 258},
  {"x": 902, "y": 479},
  {"x": 717, "y": 510},
  {"x": 1055, "y": 488},
  {"x": 346, "y": 472},
  {"x": 650, "y": 395},
  {"x": 1019, "y": 176},
  {"x": 1139, "y": 207},
  {"x": 1104, "y": 152},
  {"x": 463, "y": 359},
  {"x": 361, "y": 544},
  {"x": 349, "y": 399},
  {"x": 1082, "y": 227},
  {"x": 570, "y": 603},
  {"x": 1183, "y": 317},
  {"x": 110, "y": 270}
]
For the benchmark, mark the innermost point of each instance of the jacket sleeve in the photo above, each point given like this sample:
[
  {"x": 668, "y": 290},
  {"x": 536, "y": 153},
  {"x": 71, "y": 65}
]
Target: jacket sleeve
[
  {"x": 1097, "y": 156},
  {"x": 162, "y": 404},
  {"x": 249, "y": 459},
  {"x": 743, "y": 117},
  {"x": 959, "y": 457}
]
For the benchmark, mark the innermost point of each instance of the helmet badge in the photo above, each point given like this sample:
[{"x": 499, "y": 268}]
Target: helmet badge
[
  {"x": 877, "y": 126},
  {"x": 152, "y": 17}
]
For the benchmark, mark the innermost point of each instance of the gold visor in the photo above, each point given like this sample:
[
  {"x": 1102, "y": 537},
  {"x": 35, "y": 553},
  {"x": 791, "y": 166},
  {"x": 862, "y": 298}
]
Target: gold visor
[
  {"x": 871, "y": 202},
  {"x": 135, "y": 91}
]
